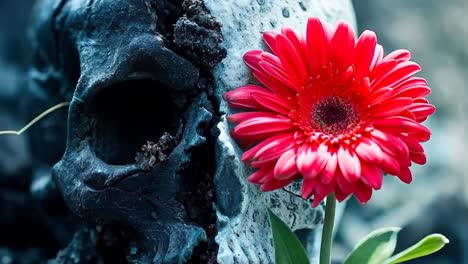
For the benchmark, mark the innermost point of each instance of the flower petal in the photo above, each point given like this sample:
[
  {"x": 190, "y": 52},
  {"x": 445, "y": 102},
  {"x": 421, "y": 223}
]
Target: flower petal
[
  {"x": 390, "y": 164},
  {"x": 380, "y": 95},
  {"x": 391, "y": 144},
  {"x": 290, "y": 57},
  {"x": 372, "y": 175},
  {"x": 365, "y": 49},
  {"x": 273, "y": 185},
  {"x": 321, "y": 191},
  {"x": 405, "y": 175},
  {"x": 342, "y": 183},
  {"x": 262, "y": 126},
  {"x": 270, "y": 39},
  {"x": 244, "y": 116},
  {"x": 400, "y": 54},
  {"x": 279, "y": 74},
  {"x": 413, "y": 145},
  {"x": 273, "y": 149},
  {"x": 362, "y": 192},
  {"x": 412, "y": 91},
  {"x": 272, "y": 102},
  {"x": 400, "y": 124},
  {"x": 340, "y": 195},
  {"x": 285, "y": 167},
  {"x": 422, "y": 110},
  {"x": 273, "y": 84},
  {"x": 399, "y": 73},
  {"x": 317, "y": 40},
  {"x": 381, "y": 70},
  {"x": 261, "y": 175},
  {"x": 343, "y": 45},
  {"x": 349, "y": 164},
  {"x": 378, "y": 56},
  {"x": 308, "y": 188},
  {"x": 369, "y": 151},
  {"x": 391, "y": 107},
  {"x": 412, "y": 81},
  {"x": 241, "y": 97},
  {"x": 252, "y": 58},
  {"x": 317, "y": 200},
  {"x": 363, "y": 88},
  {"x": 311, "y": 162},
  {"x": 329, "y": 170},
  {"x": 418, "y": 157}
]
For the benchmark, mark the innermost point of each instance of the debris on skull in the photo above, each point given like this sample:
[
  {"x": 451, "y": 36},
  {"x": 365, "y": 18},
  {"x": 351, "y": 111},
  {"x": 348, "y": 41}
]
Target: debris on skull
[
  {"x": 153, "y": 153},
  {"x": 197, "y": 35}
]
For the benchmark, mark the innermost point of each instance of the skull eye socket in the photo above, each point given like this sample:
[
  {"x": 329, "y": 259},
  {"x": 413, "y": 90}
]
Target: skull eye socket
[{"x": 128, "y": 114}]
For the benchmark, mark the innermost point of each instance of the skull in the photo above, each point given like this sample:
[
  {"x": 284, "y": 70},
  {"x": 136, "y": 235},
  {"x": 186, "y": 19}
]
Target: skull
[
  {"x": 127, "y": 88},
  {"x": 147, "y": 146}
]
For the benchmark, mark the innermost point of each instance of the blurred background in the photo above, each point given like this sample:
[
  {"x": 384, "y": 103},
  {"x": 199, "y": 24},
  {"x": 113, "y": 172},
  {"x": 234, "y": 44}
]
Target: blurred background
[
  {"x": 436, "y": 33},
  {"x": 437, "y": 201},
  {"x": 34, "y": 221}
]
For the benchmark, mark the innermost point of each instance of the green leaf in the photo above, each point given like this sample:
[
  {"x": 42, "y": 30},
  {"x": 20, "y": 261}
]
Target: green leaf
[
  {"x": 377, "y": 247},
  {"x": 288, "y": 248},
  {"x": 428, "y": 245}
]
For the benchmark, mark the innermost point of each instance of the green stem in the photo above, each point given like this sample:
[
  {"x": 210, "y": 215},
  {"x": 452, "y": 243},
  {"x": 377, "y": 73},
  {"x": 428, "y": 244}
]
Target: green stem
[{"x": 327, "y": 234}]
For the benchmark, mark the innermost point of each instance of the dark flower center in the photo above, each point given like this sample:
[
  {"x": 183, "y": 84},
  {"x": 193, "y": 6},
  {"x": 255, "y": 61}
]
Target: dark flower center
[{"x": 334, "y": 115}]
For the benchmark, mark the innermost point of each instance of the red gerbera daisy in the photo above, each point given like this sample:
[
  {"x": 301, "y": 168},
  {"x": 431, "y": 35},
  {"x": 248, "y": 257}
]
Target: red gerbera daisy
[{"x": 333, "y": 111}]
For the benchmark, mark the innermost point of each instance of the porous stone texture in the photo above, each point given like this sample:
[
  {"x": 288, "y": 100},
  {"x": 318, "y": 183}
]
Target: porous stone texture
[{"x": 243, "y": 229}]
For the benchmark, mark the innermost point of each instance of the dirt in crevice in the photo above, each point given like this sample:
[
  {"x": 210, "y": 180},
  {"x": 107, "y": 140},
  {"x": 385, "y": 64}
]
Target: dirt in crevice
[
  {"x": 188, "y": 29},
  {"x": 152, "y": 153},
  {"x": 165, "y": 14},
  {"x": 198, "y": 194},
  {"x": 197, "y": 35}
]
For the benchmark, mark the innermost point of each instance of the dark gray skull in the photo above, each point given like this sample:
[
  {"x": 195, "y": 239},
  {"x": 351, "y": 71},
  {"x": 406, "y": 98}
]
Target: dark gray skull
[
  {"x": 133, "y": 77},
  {"x": 127, "y": 88}
]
